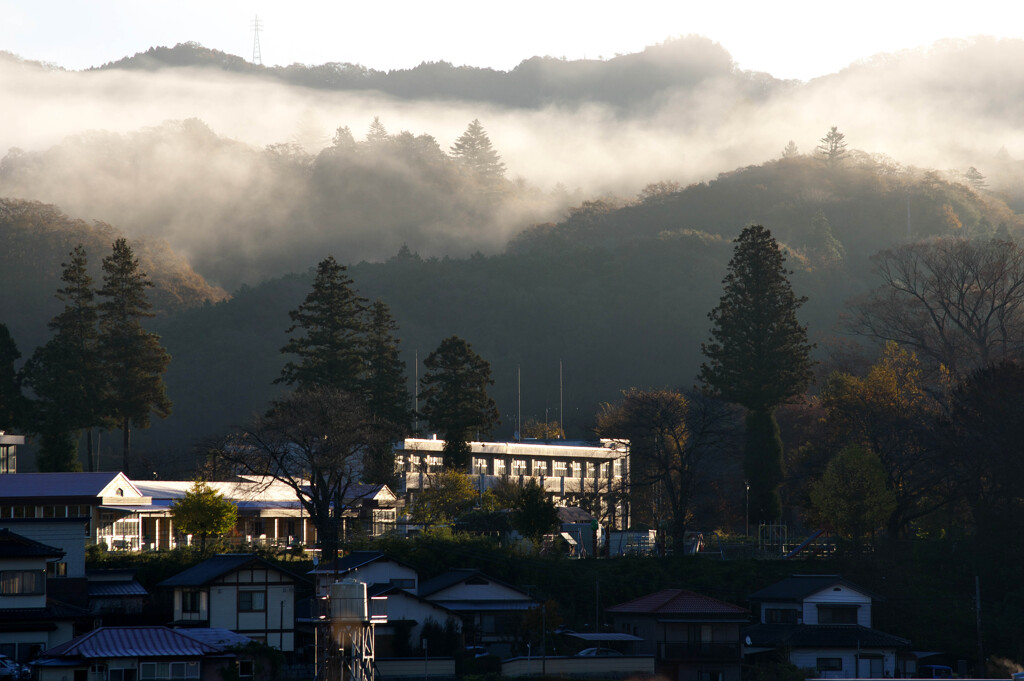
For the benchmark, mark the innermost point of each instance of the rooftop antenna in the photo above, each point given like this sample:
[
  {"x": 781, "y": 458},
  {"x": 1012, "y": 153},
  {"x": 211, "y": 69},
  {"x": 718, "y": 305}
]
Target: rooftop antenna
[
  {"x": 561, "y": 403},
  {"x": 519, "y": 413},
  {"x": 416, "y": 394},
  {"x": 257, "y": 58}
]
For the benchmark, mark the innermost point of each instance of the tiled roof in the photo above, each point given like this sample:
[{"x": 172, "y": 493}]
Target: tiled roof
[
  {"x": 218, "y": 638},
  {"x": 14, "y": 545},
  {"x": 679, "y": 602},
  {"x": 821, "y": 636},
  {"x": 356, "y": 559},
  {"x": 132, "y": 642},
  {"x": 116, "y": 589},
  {"x": 457, "y": 576},
  {"x": 218, "y": 566},
  {"x": 54, "y": 610},
  {"x": 799, "y": 587}
]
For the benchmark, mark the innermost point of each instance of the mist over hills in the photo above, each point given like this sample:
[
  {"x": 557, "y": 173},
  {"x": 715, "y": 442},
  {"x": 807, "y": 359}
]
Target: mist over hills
[{"x": 602, "y": 248}]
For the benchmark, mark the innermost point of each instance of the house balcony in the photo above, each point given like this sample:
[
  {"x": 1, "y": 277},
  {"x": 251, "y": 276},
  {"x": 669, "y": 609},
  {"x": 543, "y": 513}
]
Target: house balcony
[{"x": 708, "y": 651}]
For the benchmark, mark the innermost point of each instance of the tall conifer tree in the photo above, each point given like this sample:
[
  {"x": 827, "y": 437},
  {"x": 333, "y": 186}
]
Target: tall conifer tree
[
  {"x": 133, "y": 359},
  {"x": 475, "y": 152},
  {"x": 387, "y": 398},
  {"x": 758, "y": 356}
]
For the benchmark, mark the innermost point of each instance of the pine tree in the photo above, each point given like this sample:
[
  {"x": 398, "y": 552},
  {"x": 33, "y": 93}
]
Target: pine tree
[
  {"x": 473, "y": 150},
  {"x": 132, "y": 358},
  {"x": 758, "y": 355},
  {"x": 833, "y": 147},
  {"x": 384, "y": 387},
  {"x": 456, "y": 403},
  {"x": 377, "y": 134},
  {"x": 12, "y": 402},
  {"x": 66, "y": 373},
  {"x": 330, "y": 352}
]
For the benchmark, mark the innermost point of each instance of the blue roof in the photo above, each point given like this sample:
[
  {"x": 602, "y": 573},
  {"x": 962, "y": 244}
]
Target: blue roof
[
  {"x": 132, "y": 642},
  {"x": 14, "y": 545},
  {"x": 116, "y": 589}
]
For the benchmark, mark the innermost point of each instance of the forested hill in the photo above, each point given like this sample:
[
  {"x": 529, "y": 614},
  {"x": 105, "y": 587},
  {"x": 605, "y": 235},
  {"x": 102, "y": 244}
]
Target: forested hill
[
  {"x": 35, "y": 239},
  {"x": 618, "y": 294},
  {"x": 628, "y": 81}
]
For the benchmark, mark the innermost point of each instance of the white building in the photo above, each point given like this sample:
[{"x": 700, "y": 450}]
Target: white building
[{"x": 591, "y": 475}]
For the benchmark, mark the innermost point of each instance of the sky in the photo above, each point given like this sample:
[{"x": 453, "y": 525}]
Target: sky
[{"x": 799, "y": 39}]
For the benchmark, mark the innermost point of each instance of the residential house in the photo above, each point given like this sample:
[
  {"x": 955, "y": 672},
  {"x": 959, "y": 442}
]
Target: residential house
[
  {"x": 369, "y": 567},
  {"x": 115, "y": 595},
  {"x": 692, "y": 637},
  {"x": 241, "y": 592},
  {"x": 571, "y": 473},
  {"x": 822, "y": 623},
  {"x": 147, "y": 654},
  {"x": 491, "y": 610},
  {"x": 30, "y": 620},
  {"x": 407, "y": 613}
]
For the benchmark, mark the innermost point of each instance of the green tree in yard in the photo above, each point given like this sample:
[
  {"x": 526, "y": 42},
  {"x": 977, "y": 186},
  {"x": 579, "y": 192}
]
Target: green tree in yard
[
  {"x": 473, "y": 150},
  {"x": 329, "y": 349},
  {"x": 204, "y": 512},
  {"x": 132, "y": 358},
  {"x": 455, "y": 399},
  {"x": 852, "y": 496},
  {"x": 758, "y": 356},
  {"x": 66, "y": 373},
  {"x": 387, "y": 398},
  {"x": 534, "y": 514}
]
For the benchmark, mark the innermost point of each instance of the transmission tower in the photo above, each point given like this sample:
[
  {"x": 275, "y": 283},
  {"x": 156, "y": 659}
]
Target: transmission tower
[{"x": 257, "y": 58}]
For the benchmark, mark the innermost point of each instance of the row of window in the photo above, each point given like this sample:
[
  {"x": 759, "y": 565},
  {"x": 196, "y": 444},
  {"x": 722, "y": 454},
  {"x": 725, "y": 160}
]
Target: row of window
[
  {"x": 48, "y": 511},
  {"x": 249, "y": 600},
  {"x": 557, "y": 469}
]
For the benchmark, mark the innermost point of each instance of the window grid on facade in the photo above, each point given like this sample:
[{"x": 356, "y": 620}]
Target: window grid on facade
[
  {"x": 577, "y": 469},
  {"x": 540, "y": 468},
  {"x": 499, "y": 467},
  {"x": 518, "y": 467},
  {"x": 479, "y": 466},
  {"x": 22, "y": 582},
  {"x": 559, "y": 469}
]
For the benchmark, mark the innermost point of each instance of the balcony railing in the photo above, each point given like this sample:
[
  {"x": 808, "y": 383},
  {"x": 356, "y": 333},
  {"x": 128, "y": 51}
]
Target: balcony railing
[{"x": 698, "y": 650}]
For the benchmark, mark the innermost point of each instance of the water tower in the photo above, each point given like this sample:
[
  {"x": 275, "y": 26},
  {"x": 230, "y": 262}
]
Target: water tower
[{"x": 345, "y": 635}]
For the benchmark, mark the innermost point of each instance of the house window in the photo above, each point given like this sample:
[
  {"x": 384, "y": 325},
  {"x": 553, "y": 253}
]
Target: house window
[
  {"x": 246, "y": 669},
  {"x": 830, "y": 664},
  {"x": 252, "y": 601},
  {"x": 832, "y": 614},
  {"x": 190, "y": 601},
  {"x": 122, "y": 675},
  {"x": 152, "y": 671},
  {"x": 560, "y": 469},
  {"x": 57, "y": 568},
  {"x": 22, "y": 582},
  {"x": 780, "y": 616}
]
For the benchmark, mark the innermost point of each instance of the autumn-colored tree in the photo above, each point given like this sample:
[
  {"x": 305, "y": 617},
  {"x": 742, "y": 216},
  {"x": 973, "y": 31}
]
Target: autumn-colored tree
[{"x": 889, "y": 412}]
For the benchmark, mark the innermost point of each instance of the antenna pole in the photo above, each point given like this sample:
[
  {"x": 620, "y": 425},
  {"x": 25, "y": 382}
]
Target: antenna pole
[
  {"x": 416, "y": 393},
  {"x": 519, "y": 407},
  {"x": 561, "y": 402}
]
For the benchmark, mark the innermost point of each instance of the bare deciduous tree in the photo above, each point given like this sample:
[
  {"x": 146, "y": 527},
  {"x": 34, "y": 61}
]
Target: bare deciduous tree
[{"x": 955, "y": 302}]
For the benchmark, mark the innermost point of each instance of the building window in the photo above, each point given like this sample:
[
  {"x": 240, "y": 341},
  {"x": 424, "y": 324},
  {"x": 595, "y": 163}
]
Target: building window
[
  {"x": 479, "y": 466},
  {"x": 246, "y": 669},
  {"x": 617, "y": 468},
  {"x": 605, "y": 470},
  {"x": 559, "y": 469},
  {"x": 190, "y": 601},
  {"x": 57, "y": 568},
  {"x": 540, "y": 468},
  {"x": 518, "y": 467},
  {"x": 779, "y": 616},
  {"x": 577, "y": 469},
  {"x": 152, "y": 671},
  {"x": 499, "y": 467},
  {"x": 831, "y": 614},
  {"x": 252, "y": 601},
  {"x": 22, "y": 582},
  {"x": 121, "y": 675},
  {"x": 830, "y": 664}
]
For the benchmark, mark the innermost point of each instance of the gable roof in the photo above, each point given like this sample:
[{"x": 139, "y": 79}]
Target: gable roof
[
  {"x": 17, "y": 546},
  {"x": 457, "y": 576},
  {"x": 132, "y": 642},
  {"x": 798, "y": 587},
  {"x": 679, "y": 602},
  {"x": 354, "y": 561},
  {"x": 217, "y": 566}
]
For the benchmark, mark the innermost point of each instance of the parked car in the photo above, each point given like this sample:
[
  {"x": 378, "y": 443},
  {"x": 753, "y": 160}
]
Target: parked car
[
  {"x": 598, "y": 652},
  {"x": 11, "y": 670},
  {"x": 934, "y": 671}
]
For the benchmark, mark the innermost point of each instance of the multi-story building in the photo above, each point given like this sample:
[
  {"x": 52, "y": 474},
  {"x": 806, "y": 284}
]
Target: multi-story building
[{"x": 587, "y": 474}]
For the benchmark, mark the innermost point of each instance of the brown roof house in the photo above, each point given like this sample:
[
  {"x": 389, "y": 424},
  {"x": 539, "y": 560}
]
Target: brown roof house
[{"x": 692, "y": 637}]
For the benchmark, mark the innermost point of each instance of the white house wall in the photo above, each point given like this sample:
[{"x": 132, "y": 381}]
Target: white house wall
[
  {"x": 838, "y": 595},
  {"x": 492, "y": 591},
  {"x": 378, "y": 572}
]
